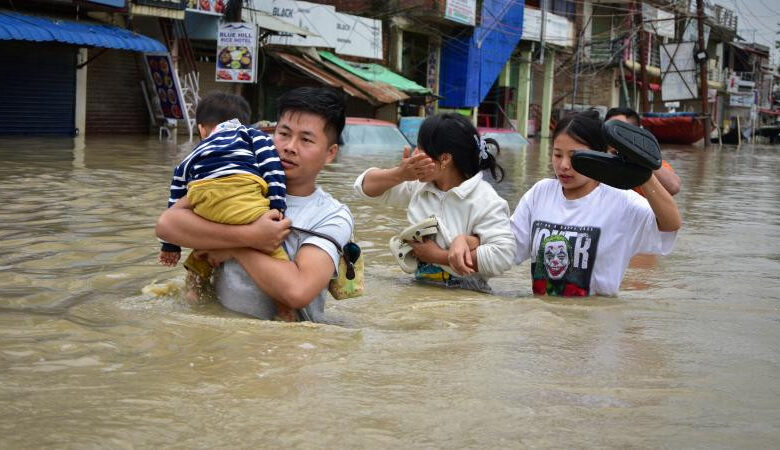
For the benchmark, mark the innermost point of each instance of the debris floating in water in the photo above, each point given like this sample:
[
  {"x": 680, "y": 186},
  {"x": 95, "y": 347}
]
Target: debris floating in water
[{"x": 170, "y": 288}]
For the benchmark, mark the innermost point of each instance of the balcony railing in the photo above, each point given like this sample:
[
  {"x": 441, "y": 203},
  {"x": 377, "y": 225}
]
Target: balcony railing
[
  {"x": 722, "y": 16},
  {"x": 604, "y": 50}
]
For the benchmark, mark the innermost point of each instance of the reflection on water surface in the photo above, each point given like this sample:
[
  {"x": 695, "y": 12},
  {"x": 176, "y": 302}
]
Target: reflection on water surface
[{"x": 687, "y": 354}]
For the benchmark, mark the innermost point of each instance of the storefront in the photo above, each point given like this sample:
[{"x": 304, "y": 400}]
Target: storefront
[{"x": 43, "y": 71}]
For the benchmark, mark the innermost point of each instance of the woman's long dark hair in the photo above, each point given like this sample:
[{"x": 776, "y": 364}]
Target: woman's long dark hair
[
  {"x": 455, "y": 134},
  {"x": 585, "y": 128}
]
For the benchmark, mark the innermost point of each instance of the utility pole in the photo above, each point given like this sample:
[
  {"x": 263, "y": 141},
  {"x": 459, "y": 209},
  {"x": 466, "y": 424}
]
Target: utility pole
[
  {"x": 642, "y": 55},
  {"x": 703, "y": 73},
  {"x": 543, "y": 4}
]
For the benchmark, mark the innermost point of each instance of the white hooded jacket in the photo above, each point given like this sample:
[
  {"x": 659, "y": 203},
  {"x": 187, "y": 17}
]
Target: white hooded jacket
[{"x": 473, "y": 208}]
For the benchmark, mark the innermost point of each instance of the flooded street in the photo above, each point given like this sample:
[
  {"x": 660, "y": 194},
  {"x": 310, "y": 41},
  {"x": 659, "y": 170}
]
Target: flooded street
[{"x": 686, "y": 356}]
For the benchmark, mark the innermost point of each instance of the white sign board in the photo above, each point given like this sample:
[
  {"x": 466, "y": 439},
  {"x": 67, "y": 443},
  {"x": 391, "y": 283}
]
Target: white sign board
[
  {"x": 691, "y": 33},
  {"x": 558, "y": 30},
  {"x": 664, "y": 25},
  {"x": 237, "y": 52},
  {"x": 345, "y": 33},
  {"x": 358, "y": 36},
  {"x": 742, "y": 100},
  {"x": 678, "y": 72},
  {"x": 658, "y": 21},
  {"x": 461, "y": 11}
]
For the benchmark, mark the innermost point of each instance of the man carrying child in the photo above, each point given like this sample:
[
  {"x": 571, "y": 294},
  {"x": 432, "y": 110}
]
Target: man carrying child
[{"x": 251, "y": 281}]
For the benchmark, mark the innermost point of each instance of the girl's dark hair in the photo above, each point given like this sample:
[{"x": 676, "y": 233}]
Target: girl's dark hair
[
  {"x": 585, "y": 128},
  {"x": 455, "y": 134}
]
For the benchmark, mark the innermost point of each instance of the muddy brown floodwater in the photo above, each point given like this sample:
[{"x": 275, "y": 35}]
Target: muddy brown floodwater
[{"x": 94, "y": 354}]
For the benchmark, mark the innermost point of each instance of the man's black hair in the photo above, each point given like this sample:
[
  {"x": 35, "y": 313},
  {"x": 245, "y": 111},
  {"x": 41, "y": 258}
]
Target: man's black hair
[
  {"x": 585, "y": 128},
  {"x": 628, "y": 112},
  {"x": 328, "y": 103},
  {"x": 217, "y": 107}
]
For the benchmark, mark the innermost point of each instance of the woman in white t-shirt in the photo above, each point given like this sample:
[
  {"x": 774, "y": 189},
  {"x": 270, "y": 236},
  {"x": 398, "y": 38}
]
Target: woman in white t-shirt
[
  {"x": 442, "y": 179},
  {"x": 579, "y": 233}
]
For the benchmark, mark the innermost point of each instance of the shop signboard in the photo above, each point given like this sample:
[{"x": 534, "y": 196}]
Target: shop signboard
[
  {"x": 237, "y": 52},
  {"x": 461, "y": 11},
  {"x": 207, "y": 6},
  {"x": 358, "y": 36},
  {"x": 169, "y": 4},
  {"x": 345, "y": 33},
  {"x": 557, "y": 29},
  {"x": 319, "y": 19},
  {"x": 166, "y": 85}
]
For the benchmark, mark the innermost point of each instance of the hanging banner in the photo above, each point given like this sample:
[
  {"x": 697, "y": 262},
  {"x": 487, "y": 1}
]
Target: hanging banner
[
  {"x": 166, "y": 85},
  {"x": 461, "y": 11},
  {"x": 237, "y": 52}
]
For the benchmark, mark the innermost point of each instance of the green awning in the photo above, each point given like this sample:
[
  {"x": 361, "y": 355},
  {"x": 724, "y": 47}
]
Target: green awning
[{"x": 375, "y": 72}]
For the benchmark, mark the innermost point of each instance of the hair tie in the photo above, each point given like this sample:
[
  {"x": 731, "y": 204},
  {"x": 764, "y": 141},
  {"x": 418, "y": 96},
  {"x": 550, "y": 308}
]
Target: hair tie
[{"x": 482, "y": 146}]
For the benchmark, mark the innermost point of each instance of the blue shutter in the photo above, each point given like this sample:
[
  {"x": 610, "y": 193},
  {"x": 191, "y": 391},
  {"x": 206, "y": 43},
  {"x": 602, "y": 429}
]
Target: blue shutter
[{"x": 38, "y": 93}]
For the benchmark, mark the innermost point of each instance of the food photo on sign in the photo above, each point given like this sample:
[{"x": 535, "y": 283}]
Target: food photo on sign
[
  {"x": 236, "y": 45},
  {"x": 216, "y": 6},
  {"x": 165, "y": 84}
]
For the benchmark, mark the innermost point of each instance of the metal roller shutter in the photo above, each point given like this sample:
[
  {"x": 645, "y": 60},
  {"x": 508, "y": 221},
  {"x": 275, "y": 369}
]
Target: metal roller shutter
[
  {"x": 115, "y": 101},
  {"x": 37, "y": 89}
]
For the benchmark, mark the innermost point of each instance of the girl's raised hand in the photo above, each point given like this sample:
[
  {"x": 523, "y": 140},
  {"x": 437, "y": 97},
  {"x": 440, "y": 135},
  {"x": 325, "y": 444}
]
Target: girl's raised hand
[{"x": 415, "y": 165}]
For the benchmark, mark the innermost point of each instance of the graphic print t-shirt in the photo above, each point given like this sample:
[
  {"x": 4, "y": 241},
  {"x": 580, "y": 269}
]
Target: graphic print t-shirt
[
  {"x": 564, "y": 258},
  {"x": 582, "y": 247}
]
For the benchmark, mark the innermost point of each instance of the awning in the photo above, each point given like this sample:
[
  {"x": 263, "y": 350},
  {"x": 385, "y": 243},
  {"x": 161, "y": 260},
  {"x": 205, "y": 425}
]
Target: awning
[
  {"x": 268, "y": 22},
  {"x": 311, "y": 69},
  {"x": 377, "y": 73},
  {"x": 751, "y": 49},
  {"x": 383, "y": 93},
  {"x": 21, "y": 27}
]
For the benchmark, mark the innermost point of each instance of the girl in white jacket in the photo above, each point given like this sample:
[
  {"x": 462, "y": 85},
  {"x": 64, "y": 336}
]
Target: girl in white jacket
[{"x": 442, "y": 178}]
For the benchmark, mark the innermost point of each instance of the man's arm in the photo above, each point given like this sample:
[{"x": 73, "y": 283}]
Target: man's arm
[
  {"x": 183, "y": 227},
  {"x": 295, "y": 283}
]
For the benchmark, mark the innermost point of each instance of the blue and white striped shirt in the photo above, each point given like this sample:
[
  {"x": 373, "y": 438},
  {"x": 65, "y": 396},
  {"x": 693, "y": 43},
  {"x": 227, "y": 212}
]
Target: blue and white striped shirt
[{"x": 231, "y": 149}]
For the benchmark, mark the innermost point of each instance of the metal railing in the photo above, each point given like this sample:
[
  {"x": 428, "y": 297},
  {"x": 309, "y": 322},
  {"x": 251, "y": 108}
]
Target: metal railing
[{"x": 604, "y": 50}]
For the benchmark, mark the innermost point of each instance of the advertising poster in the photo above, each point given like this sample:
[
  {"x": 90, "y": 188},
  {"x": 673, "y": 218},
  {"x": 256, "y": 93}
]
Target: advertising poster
[
  {"x": 209, "y": 6},
  {"x": 166, "y": 85},
  {"x": 236, "y": 52}
]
